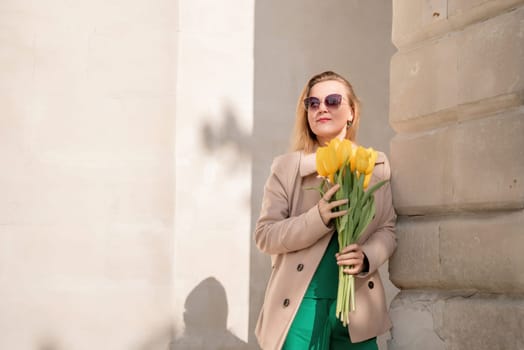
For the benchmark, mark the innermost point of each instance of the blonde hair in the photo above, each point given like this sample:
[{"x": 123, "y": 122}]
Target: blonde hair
[{"x": 303, "y": 138}]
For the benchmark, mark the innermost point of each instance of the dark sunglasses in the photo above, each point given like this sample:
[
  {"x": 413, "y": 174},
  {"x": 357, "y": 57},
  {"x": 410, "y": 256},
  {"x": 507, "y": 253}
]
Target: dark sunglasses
[{"x": 333, "y": 100}]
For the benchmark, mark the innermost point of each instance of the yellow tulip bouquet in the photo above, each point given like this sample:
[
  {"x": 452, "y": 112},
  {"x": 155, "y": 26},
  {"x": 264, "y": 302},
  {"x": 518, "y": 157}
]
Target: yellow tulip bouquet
[{"x": 339, "y": 162}]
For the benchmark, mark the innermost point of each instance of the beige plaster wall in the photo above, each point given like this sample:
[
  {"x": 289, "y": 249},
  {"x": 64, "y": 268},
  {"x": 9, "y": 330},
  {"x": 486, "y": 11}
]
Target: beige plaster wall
[
  {"x": 86, "y": 147},
  {"x": 125, "y": 214},
  {"x": 214, "y": 121},
  {"x": 293, "y": 41}
]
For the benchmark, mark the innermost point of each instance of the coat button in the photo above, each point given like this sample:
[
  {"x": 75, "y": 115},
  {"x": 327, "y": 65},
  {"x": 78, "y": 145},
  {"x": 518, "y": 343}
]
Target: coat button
[
  {"x": 300, "y": 267},
  {"x": 371, "y": 284},
  {"x": 286, "y": 302}
]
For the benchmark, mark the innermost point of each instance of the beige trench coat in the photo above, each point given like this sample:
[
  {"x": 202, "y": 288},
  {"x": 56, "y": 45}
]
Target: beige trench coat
[{"x": 291, "y": 230}]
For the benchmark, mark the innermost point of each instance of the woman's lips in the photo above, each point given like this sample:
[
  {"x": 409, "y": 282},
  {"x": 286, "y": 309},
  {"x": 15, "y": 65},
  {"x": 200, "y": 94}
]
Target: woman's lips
[{"x": 323, "y": 120}]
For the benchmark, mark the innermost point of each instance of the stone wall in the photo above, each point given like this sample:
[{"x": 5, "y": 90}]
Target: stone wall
[{"x": 457, "y": 93}]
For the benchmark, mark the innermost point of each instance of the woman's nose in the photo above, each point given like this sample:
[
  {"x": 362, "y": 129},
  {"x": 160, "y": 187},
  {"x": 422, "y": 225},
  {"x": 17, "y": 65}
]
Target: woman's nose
[{"x": 322, "y": 107}]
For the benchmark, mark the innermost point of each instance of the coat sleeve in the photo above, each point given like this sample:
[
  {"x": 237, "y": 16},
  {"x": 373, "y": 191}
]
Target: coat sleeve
[
  {"x": 381, "y": 244},
  {"x": 275, "y": 231}
]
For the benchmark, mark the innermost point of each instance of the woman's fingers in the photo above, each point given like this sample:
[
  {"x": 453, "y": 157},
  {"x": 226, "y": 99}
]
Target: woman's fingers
[
  {"x": 329, "y": 193},
  {"x": 351, "y": 266},
  {"x": 352, "y": 257},
  {"x": 335, "y": 214},
  {"x": 353, "y": 270},
  {"x": 350, "y": 261},
  {"x": 351, "y": 248},
  {"x": 326, "y": 214},
  {"x": 335, "y": 204},
  {"x": 326, "y": 207}
]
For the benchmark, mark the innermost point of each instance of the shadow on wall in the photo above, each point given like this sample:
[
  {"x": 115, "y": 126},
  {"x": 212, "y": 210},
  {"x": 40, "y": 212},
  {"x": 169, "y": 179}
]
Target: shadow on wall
[
  {"x": 205, "y": 319},
  {"x": 228, "y": 134},
  {"x": 161, "y": 340},
  {"x": 48, "y": 344}
]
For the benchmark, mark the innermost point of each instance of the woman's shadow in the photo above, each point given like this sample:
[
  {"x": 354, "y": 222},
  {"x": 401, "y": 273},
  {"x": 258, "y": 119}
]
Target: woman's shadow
[{"x": 205, "y": 319}]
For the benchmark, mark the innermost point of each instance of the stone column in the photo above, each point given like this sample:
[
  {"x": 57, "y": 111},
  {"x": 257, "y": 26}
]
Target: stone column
[{"x": 457, "y": 93}]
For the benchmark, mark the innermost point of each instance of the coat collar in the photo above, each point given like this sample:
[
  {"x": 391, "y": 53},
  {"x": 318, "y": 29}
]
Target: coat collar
[{"x": 308, "y": 164}]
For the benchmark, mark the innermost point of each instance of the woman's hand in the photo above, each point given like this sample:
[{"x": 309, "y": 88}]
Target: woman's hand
[
  {"x": 351, "y": 256},
  {"x": 325, "y": 207}
]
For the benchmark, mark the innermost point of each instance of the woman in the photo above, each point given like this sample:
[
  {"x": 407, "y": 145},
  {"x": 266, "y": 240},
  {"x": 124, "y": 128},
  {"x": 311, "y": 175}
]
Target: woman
[{"x": 296, "y": 227}]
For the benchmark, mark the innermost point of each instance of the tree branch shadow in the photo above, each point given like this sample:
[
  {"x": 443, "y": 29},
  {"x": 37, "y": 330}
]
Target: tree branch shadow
[{"x": 228, "y": 134}]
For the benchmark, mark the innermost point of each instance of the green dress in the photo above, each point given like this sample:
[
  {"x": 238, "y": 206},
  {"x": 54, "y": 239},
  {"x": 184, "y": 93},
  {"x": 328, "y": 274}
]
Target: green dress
[{"x": 315, "y": 326}]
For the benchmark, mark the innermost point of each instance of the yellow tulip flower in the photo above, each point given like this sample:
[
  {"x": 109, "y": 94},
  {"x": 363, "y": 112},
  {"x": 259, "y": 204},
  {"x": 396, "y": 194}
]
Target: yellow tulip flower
[
  {"x": 352, "y": 159},
  {"x": 331, "y": 164},
  {"x": 333, "y": 144},
  {"x": 344, "y": 152},
  {"x": 367, "y": 178},
  {"x": 361, "y": 159},
  {"x": 327, "y": 164},
  {"x": 372, "y": 160},
  {"x": 320, "y": 155}
]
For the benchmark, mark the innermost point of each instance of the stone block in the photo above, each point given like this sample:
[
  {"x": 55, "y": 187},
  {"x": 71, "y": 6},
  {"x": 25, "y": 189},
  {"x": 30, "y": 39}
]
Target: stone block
[
  {"x": 487, "y": 162},
  {"x": 414, "y": 323},
  {"x": 468, "y": 11},
  {"x": 416, "y": 261},
  {"x": 483, "y": 252},
  {"x": 451, "y": 321},
  {"x": 465, "y": 74},
  {"x": 423, "y": 81},
  {"x": 474, "y": 165},
  {"x": 483, "y": 322},
  {"x": 491, "y": 58},
  {"x": 420, "y": 20},
  {"x": 417, "y": 166},
  {"x": 479, "y": 252}
]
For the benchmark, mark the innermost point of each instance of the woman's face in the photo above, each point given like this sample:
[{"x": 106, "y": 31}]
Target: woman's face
[{"x": 329, "y": 120}]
